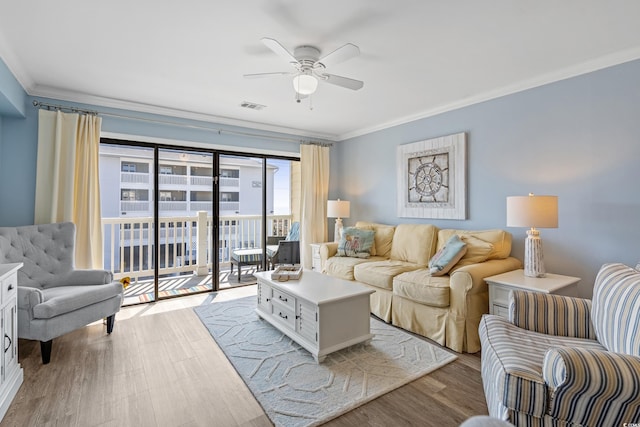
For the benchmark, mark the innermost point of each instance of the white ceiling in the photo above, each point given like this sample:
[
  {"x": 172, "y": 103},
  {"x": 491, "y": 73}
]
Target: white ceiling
[{"x": 418, "y": 57}]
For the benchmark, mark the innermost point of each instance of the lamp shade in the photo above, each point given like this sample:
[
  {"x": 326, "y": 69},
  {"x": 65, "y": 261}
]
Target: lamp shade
[
  {"x": 305, "y": 84},
  {"x": 338, "y": 209},
  {"x": 532, "y": 211}
]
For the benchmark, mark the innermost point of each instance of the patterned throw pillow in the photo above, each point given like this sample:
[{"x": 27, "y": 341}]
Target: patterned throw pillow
[
  {"x": 448, "y": 256},
  {"x": 356, "y": 242}
]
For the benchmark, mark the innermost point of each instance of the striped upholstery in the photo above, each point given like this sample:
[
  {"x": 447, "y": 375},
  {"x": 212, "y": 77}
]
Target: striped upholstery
[
  {"x": 551, "y": 314},
  {"x": 547, "y": 369},
  {"x": 512, "y": 366},
  {"x": 616, "y": 308},
  {"x": 584, "y": 389}
]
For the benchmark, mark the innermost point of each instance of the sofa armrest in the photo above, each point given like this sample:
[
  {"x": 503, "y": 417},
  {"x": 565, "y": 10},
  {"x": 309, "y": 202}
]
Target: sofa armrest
[
  {"x": 469, "y": 300},
  {"x": 551, "y": 314},
  {"x": 327, "y": 250},
  {"x": 28, "y": 298},
  {"x": 86, "y": 277},
  {"x": 592, "y": 380},
  {"x": 469, "y": 279}
]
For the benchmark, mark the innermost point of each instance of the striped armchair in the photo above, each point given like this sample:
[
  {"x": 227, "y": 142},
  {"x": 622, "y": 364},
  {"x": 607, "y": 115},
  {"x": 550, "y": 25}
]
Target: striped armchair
[{"x": 562, "y": 361}]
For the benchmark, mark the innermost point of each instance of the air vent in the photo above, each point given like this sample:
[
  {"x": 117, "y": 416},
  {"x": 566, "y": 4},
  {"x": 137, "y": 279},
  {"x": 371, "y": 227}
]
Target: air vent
[{"x": 252, "y": 105}]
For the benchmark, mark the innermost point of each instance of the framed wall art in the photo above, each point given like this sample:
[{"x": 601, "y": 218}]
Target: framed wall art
[{"x": 432, "y": 177}]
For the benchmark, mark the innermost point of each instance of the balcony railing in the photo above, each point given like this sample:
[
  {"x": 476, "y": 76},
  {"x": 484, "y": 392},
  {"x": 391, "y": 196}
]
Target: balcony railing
[
  {"x": 185, "y": 242},
  {"x": 134, "y": 177},
  {"x": 172, "y": 179}
]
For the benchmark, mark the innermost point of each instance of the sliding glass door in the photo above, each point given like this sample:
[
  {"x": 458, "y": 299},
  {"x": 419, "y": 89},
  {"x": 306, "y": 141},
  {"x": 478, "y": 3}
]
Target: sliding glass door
[
  {"x": 185, "y": 207},
  {"x": 127, "y": 188},
  {"x": 179, "y": 221}
]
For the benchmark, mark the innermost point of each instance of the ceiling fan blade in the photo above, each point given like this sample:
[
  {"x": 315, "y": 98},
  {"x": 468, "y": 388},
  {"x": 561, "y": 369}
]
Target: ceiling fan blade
[
  {"x": 343, "y": 81},
  {"x": 341, "y": 54},
  {"x": 259, "y": 75},
  {"x": 279, "y": 50}
]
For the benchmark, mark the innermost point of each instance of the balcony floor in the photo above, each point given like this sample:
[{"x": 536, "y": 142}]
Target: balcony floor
[{"x": 187, "y": 284}]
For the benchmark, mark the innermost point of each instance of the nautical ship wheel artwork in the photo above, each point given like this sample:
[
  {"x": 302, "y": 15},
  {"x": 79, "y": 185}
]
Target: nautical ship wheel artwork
[{"x": 428, "y": 179}]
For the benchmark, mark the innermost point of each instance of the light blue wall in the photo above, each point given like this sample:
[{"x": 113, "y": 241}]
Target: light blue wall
[
  {"x": 578, "y": 139},
  {"x": 18, "y": 147}
]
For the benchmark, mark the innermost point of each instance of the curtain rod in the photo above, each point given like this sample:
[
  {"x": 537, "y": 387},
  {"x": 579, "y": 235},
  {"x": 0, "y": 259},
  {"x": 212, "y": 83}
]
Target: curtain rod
[{"x": 48, "y": 106}]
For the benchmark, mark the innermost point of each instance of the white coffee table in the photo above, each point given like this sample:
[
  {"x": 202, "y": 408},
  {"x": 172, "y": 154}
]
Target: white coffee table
[{"x": 321, "y": 313}]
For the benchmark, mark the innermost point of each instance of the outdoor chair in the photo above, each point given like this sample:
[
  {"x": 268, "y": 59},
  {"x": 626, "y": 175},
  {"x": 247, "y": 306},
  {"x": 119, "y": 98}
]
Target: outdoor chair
[
  {"x": 53, "y": 297},
  {"x": 292, "y": 236}
]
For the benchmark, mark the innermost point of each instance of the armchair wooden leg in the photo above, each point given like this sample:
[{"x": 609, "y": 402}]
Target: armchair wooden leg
[
  {"x": 45, "y": 350},
  {"x": 110, "y": 321}
]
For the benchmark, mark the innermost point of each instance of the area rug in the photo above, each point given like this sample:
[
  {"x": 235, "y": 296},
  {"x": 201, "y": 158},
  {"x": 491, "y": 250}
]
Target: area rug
[{"x": 292, "y": 388}]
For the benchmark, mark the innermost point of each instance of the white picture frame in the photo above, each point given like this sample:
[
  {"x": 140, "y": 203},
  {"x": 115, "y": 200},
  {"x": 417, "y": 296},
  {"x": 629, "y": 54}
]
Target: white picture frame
[{"x": 432, "y": 178}]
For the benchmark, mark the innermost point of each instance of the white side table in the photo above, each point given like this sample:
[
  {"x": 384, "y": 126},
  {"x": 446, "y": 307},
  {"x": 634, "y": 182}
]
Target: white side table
[
  {"x": 316, "y": 262},
  {"x": 501, "y": 284}
]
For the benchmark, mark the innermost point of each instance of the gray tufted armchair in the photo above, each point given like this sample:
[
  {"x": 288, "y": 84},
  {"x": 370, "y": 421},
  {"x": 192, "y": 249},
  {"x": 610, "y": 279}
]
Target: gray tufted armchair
[{"x": 53, "y": 297}]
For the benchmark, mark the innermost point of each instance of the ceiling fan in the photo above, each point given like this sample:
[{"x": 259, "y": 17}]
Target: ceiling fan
[{"x": 310, "y": 67}]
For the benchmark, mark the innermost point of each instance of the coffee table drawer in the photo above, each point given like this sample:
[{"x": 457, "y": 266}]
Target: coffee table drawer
[
  {"x": 284, "y": 299},
  {"x": 285, "y": 315}
]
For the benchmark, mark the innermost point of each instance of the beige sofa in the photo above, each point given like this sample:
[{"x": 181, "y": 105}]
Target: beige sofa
[{"x": 447, "y": 308}]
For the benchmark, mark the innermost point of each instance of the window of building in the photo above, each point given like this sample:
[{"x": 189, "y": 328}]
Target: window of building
[
  {"x": 201, "y": 196},
  {"x": 129, "y": 166},
  {"x": 228, "y": 196},
  {"x": 230, "y": 173},
  {"x": 134, "y": 195}
]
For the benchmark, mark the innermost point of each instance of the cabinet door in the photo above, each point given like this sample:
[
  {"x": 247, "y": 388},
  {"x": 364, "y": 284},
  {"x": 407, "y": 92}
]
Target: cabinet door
[
  {"x": 10, "y": 325},
  {"x": 264, "y": 297},
  {"x": 307, "y": 321}
]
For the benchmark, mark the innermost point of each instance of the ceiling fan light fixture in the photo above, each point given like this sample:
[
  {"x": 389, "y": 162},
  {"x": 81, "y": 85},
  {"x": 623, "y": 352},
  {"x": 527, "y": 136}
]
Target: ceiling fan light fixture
[{"x": 305, "y": 84}]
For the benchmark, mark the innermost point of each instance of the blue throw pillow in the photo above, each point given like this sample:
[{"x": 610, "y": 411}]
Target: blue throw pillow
[
  {"x": 356, "y": 242},
  {"x": 448, "y": 256}
]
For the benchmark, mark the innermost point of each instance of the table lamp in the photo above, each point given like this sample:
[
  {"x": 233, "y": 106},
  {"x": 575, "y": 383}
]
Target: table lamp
[
  {"x": 338, "y": 209},
  {"x": 535, "y": 212}
]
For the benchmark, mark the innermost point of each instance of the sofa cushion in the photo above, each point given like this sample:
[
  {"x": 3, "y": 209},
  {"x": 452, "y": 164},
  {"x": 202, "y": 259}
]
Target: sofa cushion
[
  {"x": 448, "y": 256},
  {"x": 355, "y": 242},
  {"x": 500, "y": 239},
  {"x": 478, "y": 251},
  {"x": 414, "y": 243},
  {"x": 512, "y": 365},
  {"x": 615, "y": 312},
  {"x": 381, "y": 273},
  {"x": 65, "y": 299},
  {"x": 342, "y": 267},
  {"x": 421, "y": 287},
  {"x": 382, "y": 239}
]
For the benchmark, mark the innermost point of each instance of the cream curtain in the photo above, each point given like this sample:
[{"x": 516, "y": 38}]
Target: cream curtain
[
  {"x": 67, "y": 179},
  {"x": 314, "y": 162}
]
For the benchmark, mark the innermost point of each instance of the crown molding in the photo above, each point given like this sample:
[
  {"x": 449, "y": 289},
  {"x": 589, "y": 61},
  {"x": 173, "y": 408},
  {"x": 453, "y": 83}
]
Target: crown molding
[
  {"x": 83, "y": 98},
  {"x": 552, "y": 77}
]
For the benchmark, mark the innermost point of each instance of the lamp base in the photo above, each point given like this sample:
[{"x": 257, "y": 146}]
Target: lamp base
[
  {"x": 533, "y": 259},
  {"x": 337, "y": 230}
]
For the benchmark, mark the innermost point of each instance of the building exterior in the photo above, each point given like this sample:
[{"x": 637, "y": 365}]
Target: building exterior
[{"x": 185, "y": 189}]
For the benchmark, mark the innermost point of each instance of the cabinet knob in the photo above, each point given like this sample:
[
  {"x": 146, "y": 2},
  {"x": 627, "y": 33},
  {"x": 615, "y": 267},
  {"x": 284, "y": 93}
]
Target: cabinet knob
[{"x": 10, "y": 286}]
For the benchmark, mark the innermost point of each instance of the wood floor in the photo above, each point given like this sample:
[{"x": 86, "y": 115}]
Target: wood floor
[{"x": 160, "y": 367}]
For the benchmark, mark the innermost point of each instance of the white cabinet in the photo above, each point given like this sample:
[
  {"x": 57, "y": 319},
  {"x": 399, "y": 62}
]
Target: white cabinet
[
  {"x": 316, "y": 262},
  {"x": 295, "y": 315},
  {"x": 11, "y": 374},
  {"x": 501, "y": 284},
  {"x": 321, "y": 313}
]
